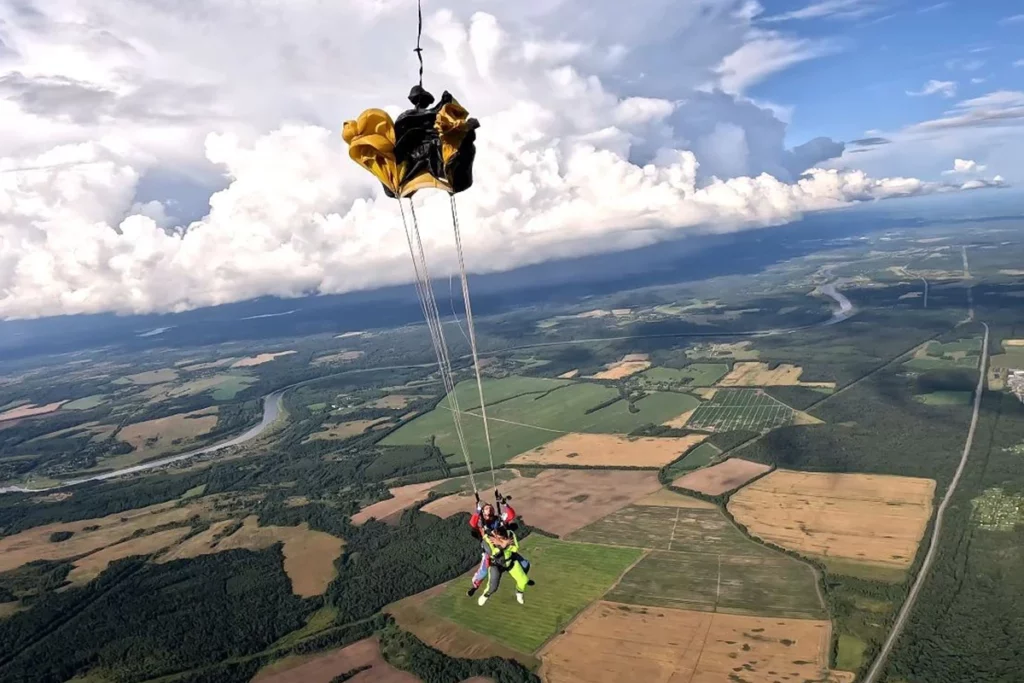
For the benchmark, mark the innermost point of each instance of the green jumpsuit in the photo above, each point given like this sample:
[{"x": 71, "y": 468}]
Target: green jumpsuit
[{"x": 505, "y": 560}]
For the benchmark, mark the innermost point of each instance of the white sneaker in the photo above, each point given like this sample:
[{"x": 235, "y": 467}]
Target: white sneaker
[
  {"x": 482, "y": 599},
  {"x": 519, "y": 597}
]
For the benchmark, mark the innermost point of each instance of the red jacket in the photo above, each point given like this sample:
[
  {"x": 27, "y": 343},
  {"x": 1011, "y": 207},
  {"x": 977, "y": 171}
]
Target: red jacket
[{"x": 506, "y": 516}]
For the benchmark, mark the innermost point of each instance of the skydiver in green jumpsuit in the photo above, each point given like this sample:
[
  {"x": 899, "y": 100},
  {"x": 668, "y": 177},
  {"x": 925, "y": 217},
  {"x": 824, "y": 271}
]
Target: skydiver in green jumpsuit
[{"x": 504, "y": 548}]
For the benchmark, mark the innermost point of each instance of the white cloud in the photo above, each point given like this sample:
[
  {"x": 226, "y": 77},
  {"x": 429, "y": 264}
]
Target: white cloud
[
  {"x": 977, "y": 80},
  {"x": 1012, "y": 19},
  {"x": 764, "y": 54},
  {"x": 934, "y": 87},
  {"x": 104, "y": 101},
  {"x": 932, "y": 8},
  {"x": 964, "y": 166},
  {"x": 1019, "y": 63},
  {"x": 998, "y": 108},
  {"x": 843, "y": 9}
]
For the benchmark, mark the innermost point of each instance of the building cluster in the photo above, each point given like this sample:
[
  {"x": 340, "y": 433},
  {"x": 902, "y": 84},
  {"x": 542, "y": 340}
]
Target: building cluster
[{"x": 1015, "y": 383}]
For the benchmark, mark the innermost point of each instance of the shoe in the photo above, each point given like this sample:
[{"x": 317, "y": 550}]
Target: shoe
[
  {"x": 471, "y": 591},
  {"x": 531, "y": 582},
  {"x": 519, "y": 597},
  {"x": 482, "y": 599}
]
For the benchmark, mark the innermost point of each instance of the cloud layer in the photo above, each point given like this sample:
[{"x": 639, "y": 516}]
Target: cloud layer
[{"x": 588, "y": 143}]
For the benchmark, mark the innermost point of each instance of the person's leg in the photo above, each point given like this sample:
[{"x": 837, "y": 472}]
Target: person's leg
[
  {"x": 493, "y": 579},
  {"x": 481, "y": 574}
]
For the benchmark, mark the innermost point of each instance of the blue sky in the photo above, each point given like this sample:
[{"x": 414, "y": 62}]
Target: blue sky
[{"x": 883, "y": 50}]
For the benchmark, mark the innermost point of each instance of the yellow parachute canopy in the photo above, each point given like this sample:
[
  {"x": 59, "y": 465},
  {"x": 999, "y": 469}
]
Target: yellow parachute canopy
[
  {"x": 425, "y": 147},
  {"x": 371, "y": 141}
]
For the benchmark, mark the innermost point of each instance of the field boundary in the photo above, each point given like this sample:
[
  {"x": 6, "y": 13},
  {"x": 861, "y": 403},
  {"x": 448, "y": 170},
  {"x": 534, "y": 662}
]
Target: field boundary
[{"x": 554, "y": 636}]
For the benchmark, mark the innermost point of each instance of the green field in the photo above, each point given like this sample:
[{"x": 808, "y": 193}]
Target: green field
[
  {"x": 86, "y": 403},
  {"x": 699, "y": 560},
  {"x": 741, "y": 409},
  {"x": 945, "y": 398},
  {"x": 695, "y": 375},
  {"x": 569, "y": 577},
  {"x": 850, "y": 655},
  {"x": 938, "y": 356},
  {"x": 525, "y": 421},
  {"x": 231, "y": 385},
  {"x": 696, "y": 457}
]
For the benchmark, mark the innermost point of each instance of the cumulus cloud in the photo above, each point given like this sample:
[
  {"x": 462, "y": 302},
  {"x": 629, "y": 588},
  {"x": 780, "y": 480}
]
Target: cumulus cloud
[
  {"x": 934, "y": 87},
  {"x": 961, "y": 166},
  {"x": 113, "y": 107},
  {"x": 1012, "y": 19},
  {"x": 1019, "y": 63}
]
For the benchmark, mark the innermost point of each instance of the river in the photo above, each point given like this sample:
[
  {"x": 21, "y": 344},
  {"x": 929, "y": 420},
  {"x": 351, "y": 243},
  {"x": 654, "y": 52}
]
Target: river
[{"x": 272, "y": 407}]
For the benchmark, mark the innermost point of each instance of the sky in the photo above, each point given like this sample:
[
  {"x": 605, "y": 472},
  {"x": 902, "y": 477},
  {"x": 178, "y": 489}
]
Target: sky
[{"x": 162, "y": 156}]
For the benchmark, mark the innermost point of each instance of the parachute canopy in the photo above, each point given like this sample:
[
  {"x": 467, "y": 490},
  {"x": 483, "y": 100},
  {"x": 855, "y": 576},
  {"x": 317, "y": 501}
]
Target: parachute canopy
[{"x": 426, "y": 146}]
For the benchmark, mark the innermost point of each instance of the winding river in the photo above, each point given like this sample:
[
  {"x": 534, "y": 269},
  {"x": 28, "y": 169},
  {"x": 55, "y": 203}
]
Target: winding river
[{"x": 272, "y": 407}]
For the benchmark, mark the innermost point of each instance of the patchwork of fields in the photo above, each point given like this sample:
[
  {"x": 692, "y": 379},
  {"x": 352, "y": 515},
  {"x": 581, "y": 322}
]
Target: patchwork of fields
[
  {"x": 524, "y": 413},
  {"x": 698, "y": 560}
]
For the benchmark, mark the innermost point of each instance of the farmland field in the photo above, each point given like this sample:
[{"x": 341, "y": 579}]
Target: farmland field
[
  {"x": 859, "y": 517},
  {"x": 259, "y": 359},
  {"x": 561, "y": 501},
  {"x": 938, "y": 356},
  {"x": 569, "y": 576},
  {"x": 945, "y": 398},
  {"x": 612, "y": 642},
  {"x": 86, "y": 403},
  {"x": 695, "y": 375},
  {"x": 402, "y": 497},
  {"x": 412, "y": 615},
  {"x": 698, "y": 457},
  {"x": 754, "y": 374},
  {"x": 741, "y": 409},
  {"x": 327, "y": 666},
  {"x": 163, "y": 434},
  {"x": 308, "y": 555},
  {"x": 630, "y": 365},
  {"x": 725, "y": 476},
  {"x": 698, "y": 560},
  {"x": 608, "y": 450},
  {"x": 231, "y": 385},
  {"x": 521, "y": 421}
]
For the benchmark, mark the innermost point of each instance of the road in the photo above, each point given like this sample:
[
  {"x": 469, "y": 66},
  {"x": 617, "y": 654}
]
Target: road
[
  {"x": 970, "y": 289},
  {"x": 908, "y": 605}
]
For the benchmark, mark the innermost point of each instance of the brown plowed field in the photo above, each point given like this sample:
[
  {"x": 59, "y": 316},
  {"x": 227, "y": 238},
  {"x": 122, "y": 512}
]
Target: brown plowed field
[
  {"x": 609, "y": 450},
  {"x": 722, "y": 477},
  {"x": 404, "y": 496},
  {"x": 322, "y": 668},
  {"x": 863, "y": 517},
  {"x": 612, "y": 642}
]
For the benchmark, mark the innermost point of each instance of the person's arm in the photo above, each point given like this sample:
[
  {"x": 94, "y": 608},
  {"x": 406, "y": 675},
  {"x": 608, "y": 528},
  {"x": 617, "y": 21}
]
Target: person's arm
[{"x": 508, "y": 514}]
